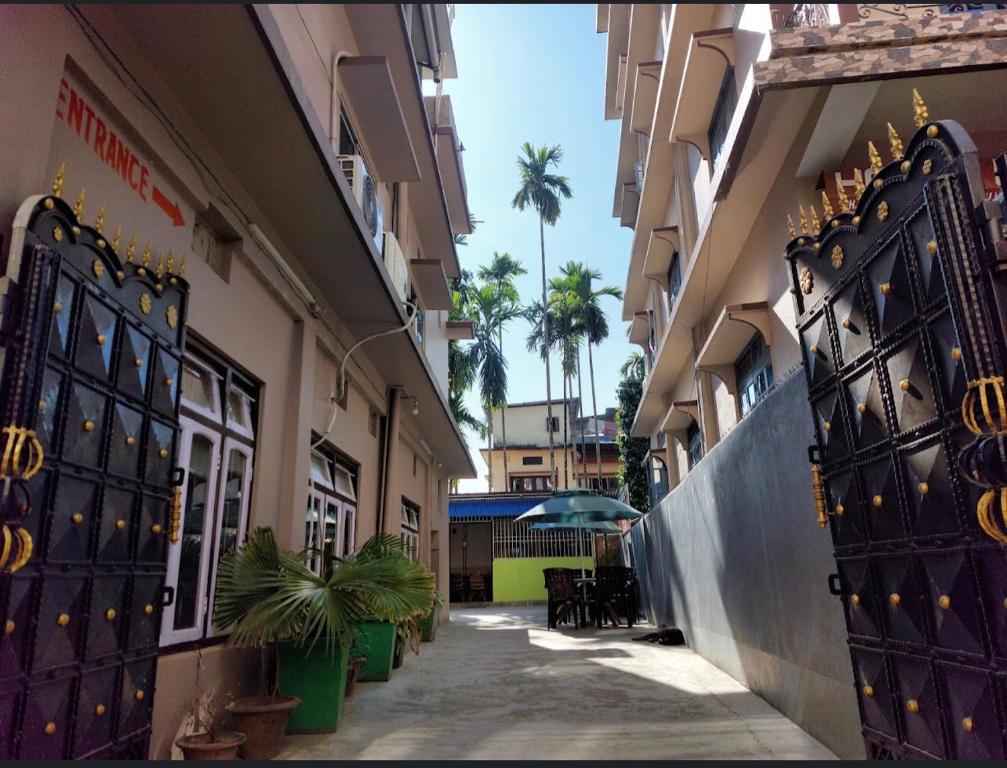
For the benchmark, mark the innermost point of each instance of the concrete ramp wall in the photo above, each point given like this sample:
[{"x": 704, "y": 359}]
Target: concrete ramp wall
[{"x": 735, "y": 558}]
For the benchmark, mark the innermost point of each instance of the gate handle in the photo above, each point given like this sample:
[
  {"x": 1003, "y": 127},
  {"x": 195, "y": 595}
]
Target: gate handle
[
  {"x": 167, "y": 596},
  {"x": 834, "y": 586}
]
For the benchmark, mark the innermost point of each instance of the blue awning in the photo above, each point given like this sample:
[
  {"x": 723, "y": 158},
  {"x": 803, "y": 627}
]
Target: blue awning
[{"x": 492, "y": 505}]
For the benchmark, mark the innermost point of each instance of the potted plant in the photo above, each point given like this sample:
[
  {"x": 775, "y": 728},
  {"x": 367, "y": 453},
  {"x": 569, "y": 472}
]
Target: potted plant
[
  {"x": 208, "y": 742},
  {"x": 271, "y": 598},
  {"x": 429, "y": 623},
  {"x": 358, "y": 657}
]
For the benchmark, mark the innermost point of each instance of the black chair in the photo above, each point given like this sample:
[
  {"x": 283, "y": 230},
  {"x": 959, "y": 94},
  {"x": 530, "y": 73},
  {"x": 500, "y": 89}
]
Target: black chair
[
  {"x": 564, "y": 600},
  {"x": 477, "y": 586},
  {"x": 615, "y": 588}
]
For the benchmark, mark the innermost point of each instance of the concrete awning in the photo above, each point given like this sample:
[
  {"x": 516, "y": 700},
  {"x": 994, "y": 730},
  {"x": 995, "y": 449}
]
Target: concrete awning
[
  {"x": 431, "y": 283},
  {"x": 639, "y": 330},
  {"x": 664, "y": 244},
  {"x": 648, "y": 74},
  {"x": 449, "y": 160},
  {"x": 367, "y": 83},
  {"x": 630, "y": 204},
  {"x": 461, "y": 330},
  {"x": 710, "y": 54},
  {"x": 680, "y": 415},
  {"x": 733, "y": 330},
  {"x": 675, "y": 350}
]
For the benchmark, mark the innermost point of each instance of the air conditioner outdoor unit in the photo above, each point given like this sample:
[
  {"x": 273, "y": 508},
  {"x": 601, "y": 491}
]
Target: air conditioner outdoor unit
[
  {"x": 395, "y": 263},
  {"x": 366, "y": 194}
]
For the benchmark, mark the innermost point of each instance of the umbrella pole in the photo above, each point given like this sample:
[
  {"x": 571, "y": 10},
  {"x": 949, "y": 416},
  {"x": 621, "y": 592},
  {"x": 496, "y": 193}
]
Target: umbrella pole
[{"x": 580, "y": 552}]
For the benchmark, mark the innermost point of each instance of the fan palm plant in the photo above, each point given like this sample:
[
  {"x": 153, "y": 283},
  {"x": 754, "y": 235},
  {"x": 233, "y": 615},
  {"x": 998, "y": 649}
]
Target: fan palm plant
[
  {"x": 594, "y": 323},
  {"x": 490, "y": 308},
  {"x": 267, "y": 595},
  {"x": 542, "y": 190},
  {"x": 500, "y": 272}
]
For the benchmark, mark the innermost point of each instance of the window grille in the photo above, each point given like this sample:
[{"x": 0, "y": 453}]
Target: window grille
[
  {"x": 723, "y": 113},
  {"x": 754, "y": 373},
  {"x": 517, "y": 538}
]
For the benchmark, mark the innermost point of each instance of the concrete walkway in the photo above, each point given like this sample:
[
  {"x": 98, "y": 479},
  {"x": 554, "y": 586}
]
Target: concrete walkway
[{"x": 496, "y": 685}]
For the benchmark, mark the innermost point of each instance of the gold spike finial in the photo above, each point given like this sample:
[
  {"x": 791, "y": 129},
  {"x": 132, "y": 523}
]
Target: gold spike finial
[
  {"x": 78, "y": 207},
  {"x": 117, "y": 239},
  {"x": 895, "y": 142},
  {"x": 816, "y": 225},
  {"x": 842, "y": 199},
  {"x": 181, "y": 266},
  {"x": 802, "y": 218},
  {"x": 147, "y": 249},
  {"x": 171, "y": 261},
  {"x": 920, "y": 112},
  {"x": 826, "y": 206},
  {"x": 131, "y": 250},
  {"x": 159, "y": 270},
  {"x": 99, "y": 222},
  {"x": 791, "y": 230},
  {"x": 872, "y": 153},
  {"x": 59, "y": 181},
  {"x": 858, "y": 181}
]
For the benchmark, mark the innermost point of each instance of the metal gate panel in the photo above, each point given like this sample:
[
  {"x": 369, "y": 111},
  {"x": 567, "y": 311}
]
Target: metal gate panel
[
  {"x": 93, "y": 346},
  {"x": 904, "y": 347}
]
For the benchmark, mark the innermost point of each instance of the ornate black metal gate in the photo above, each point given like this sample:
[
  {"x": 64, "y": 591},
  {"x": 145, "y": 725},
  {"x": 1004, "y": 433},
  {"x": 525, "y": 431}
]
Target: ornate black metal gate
[
  {"x": 90, "y": 406},
  {"x": 902, "y": 335}
]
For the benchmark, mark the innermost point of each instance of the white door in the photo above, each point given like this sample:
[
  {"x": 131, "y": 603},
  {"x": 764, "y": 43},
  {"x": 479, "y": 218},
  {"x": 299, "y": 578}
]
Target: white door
[{"x": 188, "y": 559}]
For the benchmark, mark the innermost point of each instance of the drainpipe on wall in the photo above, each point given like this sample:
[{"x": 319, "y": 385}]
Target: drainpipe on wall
[{"x": 388, "y": 519}]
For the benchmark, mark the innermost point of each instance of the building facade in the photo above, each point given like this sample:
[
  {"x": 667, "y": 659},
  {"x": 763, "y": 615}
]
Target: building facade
[
  {"x": 527, "y": 449},
  {"x": 288, "y": 165},
  {"x": 744, "y": 128}
]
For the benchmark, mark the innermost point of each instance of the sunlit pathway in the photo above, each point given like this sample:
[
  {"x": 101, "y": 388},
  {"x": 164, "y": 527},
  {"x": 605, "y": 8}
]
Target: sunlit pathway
[{"x": 496, "y": 684}]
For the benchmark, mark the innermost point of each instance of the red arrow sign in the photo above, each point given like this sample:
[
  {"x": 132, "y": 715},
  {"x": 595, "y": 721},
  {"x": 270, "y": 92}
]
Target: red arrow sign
[{"x": 170, "y": 208}]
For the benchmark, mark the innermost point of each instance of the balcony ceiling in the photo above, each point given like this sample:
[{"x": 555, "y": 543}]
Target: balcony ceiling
[
  {"x": 648, "y": 75},
  {"x": 367, "y": 83},
  {"x": 679, "y": 416},
  {"x": 431, "y": 283},
  {"x": 449, "y": 159},
  {"x": 710, "y": 54},
  {"x": 733, "y": 330},
  {"x": 227, "y": 71}
]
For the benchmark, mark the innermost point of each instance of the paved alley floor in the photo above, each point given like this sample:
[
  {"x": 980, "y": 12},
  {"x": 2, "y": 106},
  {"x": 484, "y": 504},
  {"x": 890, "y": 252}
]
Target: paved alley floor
[{"x": 497, "y": 685}]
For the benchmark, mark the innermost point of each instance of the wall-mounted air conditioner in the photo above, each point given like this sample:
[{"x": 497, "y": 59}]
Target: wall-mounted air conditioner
[
  {"x": 395, "y": 263},
  {"x": 366, "y": 194}
]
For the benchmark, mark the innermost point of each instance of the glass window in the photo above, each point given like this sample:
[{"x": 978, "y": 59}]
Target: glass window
[
  {"x": 200, "y": 389},
  {"x": 674, "y": 280},
  {"x": 321, "y": 472},
  {"x": 239, "y": 411},
  {"x": 723, "y": 113},
  {"x": 754, "y": 373},
  {"x": 332, "y": 491},
  {"x": 695, "y": 444},
  {"x": 410, "y": 533},
  {"x": 215, "y": 497}
]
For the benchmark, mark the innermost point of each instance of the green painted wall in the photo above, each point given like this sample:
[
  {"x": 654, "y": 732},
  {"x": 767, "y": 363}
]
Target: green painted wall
[{"x": 519, "y": 579}]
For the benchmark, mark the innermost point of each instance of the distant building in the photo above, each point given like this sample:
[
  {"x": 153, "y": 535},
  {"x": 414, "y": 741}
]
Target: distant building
[{"x": 527, "y": 448}]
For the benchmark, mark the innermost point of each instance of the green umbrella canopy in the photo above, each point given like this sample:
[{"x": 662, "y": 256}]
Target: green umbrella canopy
[
  {"x": 599, "y": 526},
  {"x": 579, "y": 507}
]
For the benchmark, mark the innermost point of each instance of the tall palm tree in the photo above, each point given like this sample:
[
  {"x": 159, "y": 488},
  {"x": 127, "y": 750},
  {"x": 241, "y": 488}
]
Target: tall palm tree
[
  {"x": 500, "y": 272},
  {"x": 634, "y": 369},
  {"x": 594, "y": 323},
  {"x": 461, "y": 372},
  {"x": 567, "y": 330},
  {"x": 541, "y": 190},
  {"x": 489, "y": 308}
]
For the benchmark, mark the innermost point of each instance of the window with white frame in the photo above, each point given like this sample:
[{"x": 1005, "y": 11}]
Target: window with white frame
[
  {"x": 216, "y": 453},
  {"x": 410, "y": 534},
  {"x": 330, "y": 521}
]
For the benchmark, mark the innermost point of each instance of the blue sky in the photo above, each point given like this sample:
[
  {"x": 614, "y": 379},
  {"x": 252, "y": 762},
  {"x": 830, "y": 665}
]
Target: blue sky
[{"x": 537, "y": 73}]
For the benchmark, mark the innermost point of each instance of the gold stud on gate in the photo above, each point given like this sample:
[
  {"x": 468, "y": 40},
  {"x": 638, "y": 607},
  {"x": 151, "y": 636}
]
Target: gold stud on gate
[
  {"x": 923, "y": 488},
  {"x": 50, "y": 728},
  {"x": 877, "y": 501},
  {"x": 944, "y": 602},
  {"x": 913, "y": 706},
  {"x": 868, "y": 691},
  {"x": 855, "y": 598},
  {"x": 895, "y": 598},
  {"x": 99, "y": 711},
  {"x": 63, "y": 619},
  {"x": 967, "y": 724}
]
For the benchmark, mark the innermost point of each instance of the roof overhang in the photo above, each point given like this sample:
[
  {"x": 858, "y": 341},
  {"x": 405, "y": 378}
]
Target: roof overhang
[
  {"x": 630, "y": 204},
  {"x": 449, "y": 159},
  {"x": 648, "y": 76},
  {"x": 711, "y": 52},
  {"x": 676, "y": 346},
  {"x": 460, "y": 330},
  {"x": 733, "y": 330},
  {"x": 639, "y": 329},
  {"x": 244, "y": 98},
  {"x": 661, "y": 249},
  {"x": 601, "y": 17},
  {"x": 431, "y": 283},
  {"x": 617, "y": 43},
  {"x": 367, "y": 82}
]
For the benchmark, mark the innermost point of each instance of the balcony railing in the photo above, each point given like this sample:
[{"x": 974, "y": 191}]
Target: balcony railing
[
  {"x": 801, "y": 15},
  {"x": 901, "y": 11}
]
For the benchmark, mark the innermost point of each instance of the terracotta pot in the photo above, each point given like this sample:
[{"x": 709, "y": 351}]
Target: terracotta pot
[
  {"x": 198, "y": 746},
  {"x": 262, "y": 719},
  {"x": 352, "y": 671}
]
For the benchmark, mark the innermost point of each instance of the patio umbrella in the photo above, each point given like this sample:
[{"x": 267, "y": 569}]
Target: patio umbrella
[
  {"x": 578, "y": 508},
  {"x": 599, "y": 526}
]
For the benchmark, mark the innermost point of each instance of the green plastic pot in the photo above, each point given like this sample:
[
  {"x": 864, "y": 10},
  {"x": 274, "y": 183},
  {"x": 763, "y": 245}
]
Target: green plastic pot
[
  {"x": 318, "y": 679},
  {"x": 429, "y": 624},
  {"x": 378, "y": 638}
]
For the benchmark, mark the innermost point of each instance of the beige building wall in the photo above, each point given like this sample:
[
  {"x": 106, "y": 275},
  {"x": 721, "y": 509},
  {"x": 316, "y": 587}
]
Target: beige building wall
[{"x": 249, "y": 315}]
